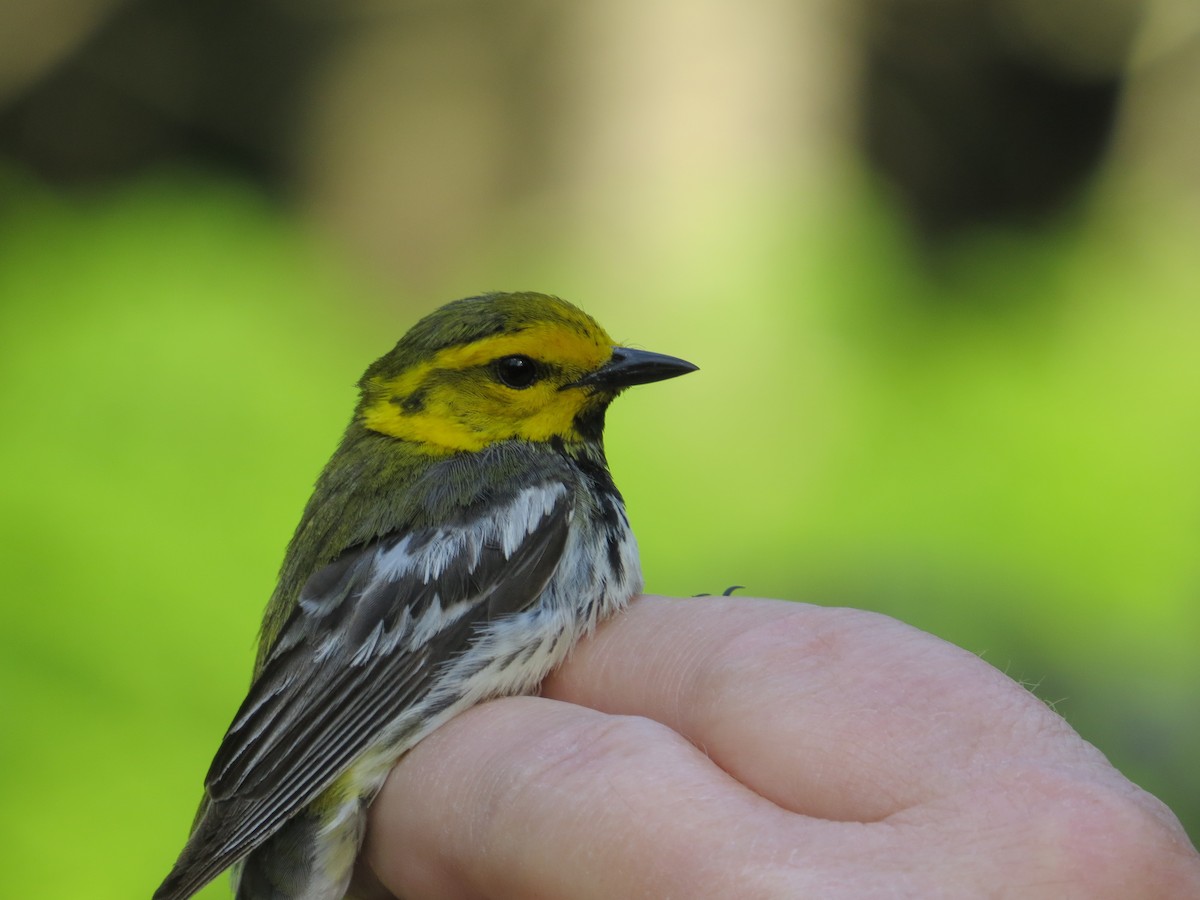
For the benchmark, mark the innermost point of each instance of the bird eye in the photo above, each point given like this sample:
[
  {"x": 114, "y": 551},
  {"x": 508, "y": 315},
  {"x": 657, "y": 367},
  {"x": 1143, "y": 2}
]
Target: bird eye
[{"x": 516, "y": 371}]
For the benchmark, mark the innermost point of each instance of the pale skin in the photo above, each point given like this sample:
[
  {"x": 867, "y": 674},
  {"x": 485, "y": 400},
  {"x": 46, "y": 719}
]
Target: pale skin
[{"x": 744, "y": 748}]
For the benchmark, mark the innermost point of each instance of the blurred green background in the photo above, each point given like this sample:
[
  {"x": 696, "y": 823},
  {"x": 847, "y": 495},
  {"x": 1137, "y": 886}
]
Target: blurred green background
[{"x": 935, "y": 258}]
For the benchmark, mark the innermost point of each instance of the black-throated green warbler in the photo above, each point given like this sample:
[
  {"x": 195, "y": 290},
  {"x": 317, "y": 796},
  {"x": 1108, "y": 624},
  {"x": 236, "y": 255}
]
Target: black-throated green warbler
[{"x": 464, "y": 535}]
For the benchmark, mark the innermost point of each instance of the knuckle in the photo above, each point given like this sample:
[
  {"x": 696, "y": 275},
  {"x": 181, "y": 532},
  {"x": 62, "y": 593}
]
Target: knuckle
[{"x": 1110, "y": 840}]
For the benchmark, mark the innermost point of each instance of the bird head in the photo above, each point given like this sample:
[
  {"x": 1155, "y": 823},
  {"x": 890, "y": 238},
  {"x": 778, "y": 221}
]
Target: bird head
[{"x": 499, "y": 367}]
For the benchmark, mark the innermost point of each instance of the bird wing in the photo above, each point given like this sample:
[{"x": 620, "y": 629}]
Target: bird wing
[{"x": 368, "y": 635}]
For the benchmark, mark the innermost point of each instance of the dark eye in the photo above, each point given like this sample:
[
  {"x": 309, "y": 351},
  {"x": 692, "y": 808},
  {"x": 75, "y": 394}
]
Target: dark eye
[{"x": 516, "y": 371}]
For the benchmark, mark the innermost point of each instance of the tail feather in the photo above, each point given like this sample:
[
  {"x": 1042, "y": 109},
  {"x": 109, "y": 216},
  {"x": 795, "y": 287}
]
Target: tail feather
[{"x": 203, "y": 858}]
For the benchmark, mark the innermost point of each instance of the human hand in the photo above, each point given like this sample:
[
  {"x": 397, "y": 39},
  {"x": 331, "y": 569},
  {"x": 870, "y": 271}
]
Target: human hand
[{"x": 742, "y": 748}]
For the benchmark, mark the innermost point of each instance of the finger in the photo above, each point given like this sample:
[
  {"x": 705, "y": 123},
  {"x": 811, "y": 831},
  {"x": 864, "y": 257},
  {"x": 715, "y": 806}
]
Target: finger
[
  {"x": 835, "y": 713},
  {"x": 528, "y": 797}
]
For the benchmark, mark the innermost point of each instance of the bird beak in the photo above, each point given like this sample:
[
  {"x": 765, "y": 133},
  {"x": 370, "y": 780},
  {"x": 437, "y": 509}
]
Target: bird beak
[{"x": 628, "y": 367}]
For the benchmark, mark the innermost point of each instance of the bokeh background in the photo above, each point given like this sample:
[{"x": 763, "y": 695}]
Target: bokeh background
[{"x": 937, "y": 260}]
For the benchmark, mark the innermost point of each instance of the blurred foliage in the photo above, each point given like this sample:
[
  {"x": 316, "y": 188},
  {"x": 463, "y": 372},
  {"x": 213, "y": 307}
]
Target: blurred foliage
[{"x": 1000, "y": 451}]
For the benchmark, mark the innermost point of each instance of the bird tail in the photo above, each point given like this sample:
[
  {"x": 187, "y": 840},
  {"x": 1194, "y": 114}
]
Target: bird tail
[{"x": 203, "y": 858}]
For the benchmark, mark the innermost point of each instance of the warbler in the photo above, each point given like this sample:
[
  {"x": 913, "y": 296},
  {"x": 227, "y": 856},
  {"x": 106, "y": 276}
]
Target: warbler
[{"x": 464, "y": 535}]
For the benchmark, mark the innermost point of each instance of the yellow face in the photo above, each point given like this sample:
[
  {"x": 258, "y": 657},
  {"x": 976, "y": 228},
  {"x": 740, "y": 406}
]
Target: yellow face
[{"x": 509, "y": 385}]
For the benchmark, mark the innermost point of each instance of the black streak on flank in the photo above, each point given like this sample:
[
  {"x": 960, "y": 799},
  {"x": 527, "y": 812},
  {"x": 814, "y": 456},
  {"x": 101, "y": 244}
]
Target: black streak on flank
[
  {"x": 614, "y": 555},
  {"x": 601, "y": 484}
]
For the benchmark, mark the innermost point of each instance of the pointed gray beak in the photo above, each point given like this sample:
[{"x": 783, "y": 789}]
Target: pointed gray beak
[{"x": 629, "y": 367}]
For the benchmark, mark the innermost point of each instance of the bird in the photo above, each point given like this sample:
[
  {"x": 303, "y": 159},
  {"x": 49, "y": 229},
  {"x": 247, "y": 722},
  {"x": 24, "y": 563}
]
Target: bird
[{"x": 465, "y": 534}]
